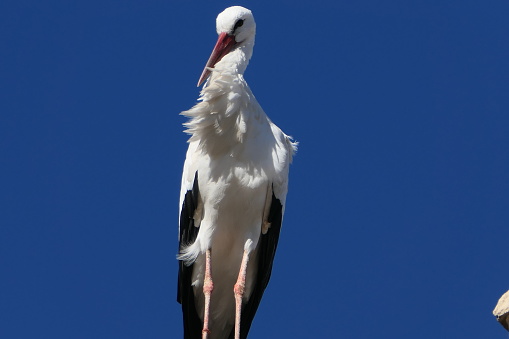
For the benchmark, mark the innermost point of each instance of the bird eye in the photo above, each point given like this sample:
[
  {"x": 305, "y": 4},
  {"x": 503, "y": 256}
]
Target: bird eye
[{"x": 238, "y": 24}]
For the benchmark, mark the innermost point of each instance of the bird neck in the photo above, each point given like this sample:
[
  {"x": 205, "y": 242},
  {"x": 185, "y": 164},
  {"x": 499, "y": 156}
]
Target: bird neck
[
  {"x": 237, "y": 60},
  {"x": 220, "y": 121},
  {"x": 227, "y": 114}
]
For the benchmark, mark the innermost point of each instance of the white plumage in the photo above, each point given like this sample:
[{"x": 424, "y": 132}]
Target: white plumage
[{"x": 236, "y": 169}]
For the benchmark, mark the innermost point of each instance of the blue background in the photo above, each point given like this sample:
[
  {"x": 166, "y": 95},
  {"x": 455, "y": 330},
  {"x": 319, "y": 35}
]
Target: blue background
[{"x": 397, "y": 217}]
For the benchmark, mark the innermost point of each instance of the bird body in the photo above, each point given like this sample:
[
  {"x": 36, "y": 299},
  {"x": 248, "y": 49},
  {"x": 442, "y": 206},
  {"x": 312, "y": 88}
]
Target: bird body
[{"x": 235, "y": 172}]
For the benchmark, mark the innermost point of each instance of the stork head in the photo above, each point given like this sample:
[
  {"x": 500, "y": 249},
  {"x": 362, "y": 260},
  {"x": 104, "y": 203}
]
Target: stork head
[{"x": 236, "y": 28}]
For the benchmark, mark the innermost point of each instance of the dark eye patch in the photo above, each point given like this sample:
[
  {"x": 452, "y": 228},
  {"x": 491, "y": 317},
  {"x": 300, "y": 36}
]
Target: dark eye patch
[{"x": 238, "y": 24}]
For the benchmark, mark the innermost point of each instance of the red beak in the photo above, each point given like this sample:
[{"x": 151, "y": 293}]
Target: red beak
[{"x": 223, "y": 46}]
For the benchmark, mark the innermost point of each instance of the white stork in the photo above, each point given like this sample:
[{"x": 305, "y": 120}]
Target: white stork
[{"x": 233, "y": 192}]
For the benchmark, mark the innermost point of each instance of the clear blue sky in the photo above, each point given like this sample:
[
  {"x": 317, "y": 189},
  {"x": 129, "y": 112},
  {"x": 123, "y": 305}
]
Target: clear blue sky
[{"x": 397, "y": 219}]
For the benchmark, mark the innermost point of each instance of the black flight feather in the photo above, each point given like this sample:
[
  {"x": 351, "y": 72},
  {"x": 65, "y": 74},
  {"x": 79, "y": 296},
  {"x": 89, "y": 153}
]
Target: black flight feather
[
  {"x": 185, "y": 296},
  {"x": 504, "y": 320}
]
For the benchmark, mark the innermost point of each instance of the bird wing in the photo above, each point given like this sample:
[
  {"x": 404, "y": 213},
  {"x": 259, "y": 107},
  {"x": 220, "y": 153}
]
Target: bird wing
[
  {"x": 501, "y": 311},
  {"x": 188, "y": 231},
  {"x": 273, "y": 217}
]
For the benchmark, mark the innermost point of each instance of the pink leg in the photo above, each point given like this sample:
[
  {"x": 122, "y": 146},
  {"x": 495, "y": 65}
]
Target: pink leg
[
  {"x": 238, "y": 290},
  {"x": 208, "y": 286}
]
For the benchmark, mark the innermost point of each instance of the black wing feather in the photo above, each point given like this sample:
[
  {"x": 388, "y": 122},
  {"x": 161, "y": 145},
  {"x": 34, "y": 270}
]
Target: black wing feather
[
  {"x": 185, "y": 295},
  {"x": 504, "y": 320},
  {"x": 268, "y": 245}
]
